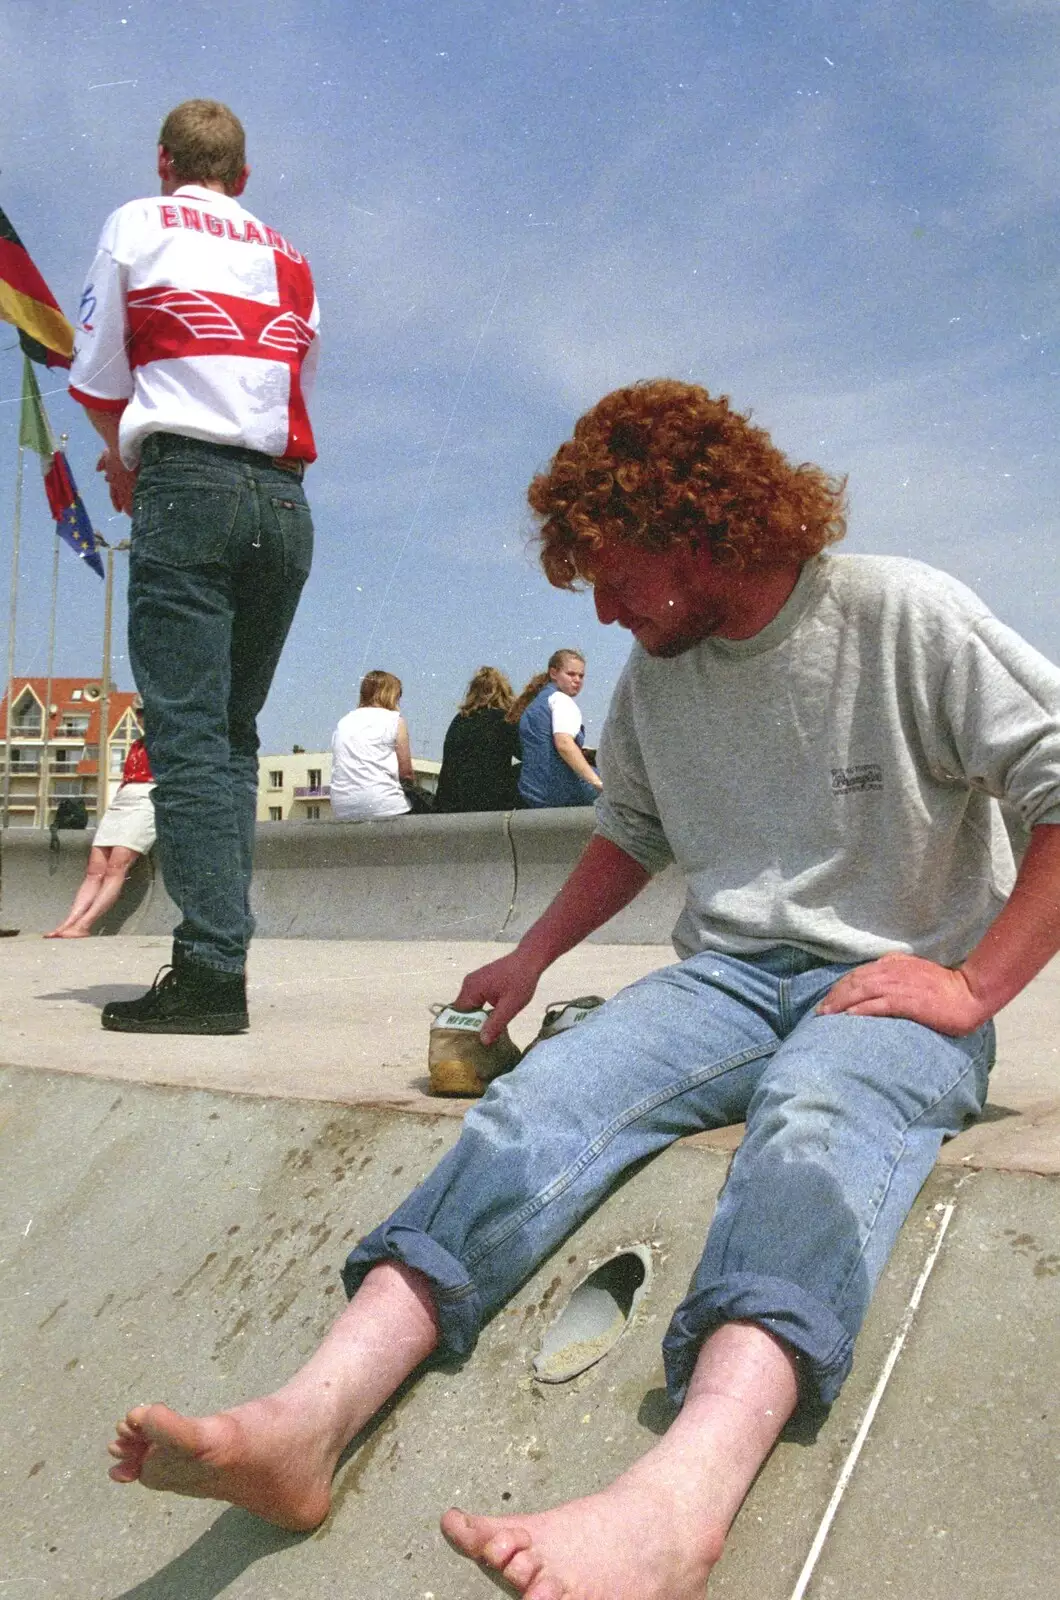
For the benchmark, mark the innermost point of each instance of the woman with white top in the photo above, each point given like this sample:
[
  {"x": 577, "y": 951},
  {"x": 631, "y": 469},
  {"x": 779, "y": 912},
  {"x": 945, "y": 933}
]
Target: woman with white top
[
  {"x": 551, "y": 734},
  {"x": 370, "y": 755}
]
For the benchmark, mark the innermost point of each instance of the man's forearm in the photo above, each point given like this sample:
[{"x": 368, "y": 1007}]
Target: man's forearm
[
  {"x": 106, "y": 424},
  {"x": 604, "y": 881},
  {"x": 1025, "y": 934}
]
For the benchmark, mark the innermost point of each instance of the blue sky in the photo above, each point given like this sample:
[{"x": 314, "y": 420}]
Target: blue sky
[{"x": 842, "y": 215}]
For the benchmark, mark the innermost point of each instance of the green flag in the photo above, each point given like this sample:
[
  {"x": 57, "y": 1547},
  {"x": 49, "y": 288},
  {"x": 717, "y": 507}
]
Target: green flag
[{"x": 33, "y": 429}]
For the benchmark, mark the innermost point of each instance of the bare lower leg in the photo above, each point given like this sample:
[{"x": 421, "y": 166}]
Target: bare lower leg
[
  {"x": 659, "y": 1528},
  {"x": 107, "y": 894},
  {"x": 276, "y": 1455},
  {"x": 86, "y": 894}
]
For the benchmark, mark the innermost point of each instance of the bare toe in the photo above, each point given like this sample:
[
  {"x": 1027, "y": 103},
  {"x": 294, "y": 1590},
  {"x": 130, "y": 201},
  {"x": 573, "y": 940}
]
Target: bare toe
[{"x": 521, "y": 1570}]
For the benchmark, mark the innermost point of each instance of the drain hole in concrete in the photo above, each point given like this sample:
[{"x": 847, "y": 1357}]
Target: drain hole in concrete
[{"x": 594, "y": 1317}]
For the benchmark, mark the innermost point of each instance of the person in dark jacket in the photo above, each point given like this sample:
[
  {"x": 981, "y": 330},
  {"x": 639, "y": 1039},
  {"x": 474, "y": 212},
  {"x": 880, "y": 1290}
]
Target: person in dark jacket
[{"x": 480, "y": 747}]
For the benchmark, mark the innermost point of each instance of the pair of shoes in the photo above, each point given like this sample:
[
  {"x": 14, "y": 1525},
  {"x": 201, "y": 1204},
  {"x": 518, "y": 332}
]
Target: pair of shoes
[
  {"x": 460, "y": 1064},
  {"x": 457, "y": 1060},
  {"x": 184, "y": 998}
]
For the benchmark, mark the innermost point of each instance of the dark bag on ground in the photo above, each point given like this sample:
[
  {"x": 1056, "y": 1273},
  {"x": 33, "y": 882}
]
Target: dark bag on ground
[
  {"x": 69, "y": 813},
  {"x": 420, "y": 802}
]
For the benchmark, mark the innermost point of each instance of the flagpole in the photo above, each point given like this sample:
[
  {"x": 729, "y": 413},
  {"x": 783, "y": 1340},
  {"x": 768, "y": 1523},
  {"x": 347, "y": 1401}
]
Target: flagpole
[
  {"x": 15, "y": 540},
  {"x": 44, "y": 784},
  {"x": 103, "y": 781}
]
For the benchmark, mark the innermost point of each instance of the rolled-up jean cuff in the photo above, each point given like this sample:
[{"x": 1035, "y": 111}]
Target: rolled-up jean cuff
[
  {"x": 456, "y": 1299},
  {"x": 806, "y": 1324}
]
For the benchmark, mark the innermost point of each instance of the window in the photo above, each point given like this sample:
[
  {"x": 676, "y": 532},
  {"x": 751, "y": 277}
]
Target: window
[
  {"x": 276, "y": 781},
  {"x": 72, "y": 724},
  {"x": 26, "y": 717},
  {"x": 77, "y": 694},
  {"x": 314, "y": 777},
  {"x": 312, "y": 813},
  {"x": 275, "y": 813}
]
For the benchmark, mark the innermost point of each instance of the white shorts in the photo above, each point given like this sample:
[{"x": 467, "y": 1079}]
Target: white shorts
[{"x": 129, "y": 820}]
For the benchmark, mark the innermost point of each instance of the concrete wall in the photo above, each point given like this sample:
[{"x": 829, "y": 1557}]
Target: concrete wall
[{"x": 485, "y": 875}]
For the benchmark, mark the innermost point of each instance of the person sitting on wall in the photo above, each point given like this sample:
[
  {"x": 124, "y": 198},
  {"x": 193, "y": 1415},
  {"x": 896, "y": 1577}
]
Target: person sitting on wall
[
  {"x": 371, "y": 758},
  {"x": 480, "y": 748},
  {"x": 551, "y": 734},
  {"x": 126, "y": 832}
]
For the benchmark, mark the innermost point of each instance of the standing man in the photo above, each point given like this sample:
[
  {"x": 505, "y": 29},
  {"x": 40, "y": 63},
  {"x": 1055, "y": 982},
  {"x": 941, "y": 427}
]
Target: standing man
[
  {"x": 819, "y": 742},
  {"x": 195, "y": 352}
]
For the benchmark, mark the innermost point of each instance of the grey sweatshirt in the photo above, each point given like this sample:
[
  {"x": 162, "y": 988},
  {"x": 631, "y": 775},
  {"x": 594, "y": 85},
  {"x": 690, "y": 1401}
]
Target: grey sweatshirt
[{"x": 831, "y": 783}]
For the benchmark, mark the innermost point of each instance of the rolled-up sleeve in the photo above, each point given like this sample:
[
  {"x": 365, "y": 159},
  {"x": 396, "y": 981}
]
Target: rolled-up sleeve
[
  {"x": 1000, "y": 723},
  {"x": 626, "y": 812}
]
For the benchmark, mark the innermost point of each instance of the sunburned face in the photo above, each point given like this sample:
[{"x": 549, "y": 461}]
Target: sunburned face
[
  {"x": 664, "y": 597},
  {"x": 570, "y": 676}
]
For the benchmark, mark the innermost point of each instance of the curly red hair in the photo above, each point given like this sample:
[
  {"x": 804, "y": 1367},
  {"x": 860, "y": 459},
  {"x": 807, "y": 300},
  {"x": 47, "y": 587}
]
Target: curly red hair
[{"x": 663, "y": 461}]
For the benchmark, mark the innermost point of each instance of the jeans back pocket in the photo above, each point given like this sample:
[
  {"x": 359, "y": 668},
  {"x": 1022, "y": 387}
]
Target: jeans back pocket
[{"x": 184, "y": 524}]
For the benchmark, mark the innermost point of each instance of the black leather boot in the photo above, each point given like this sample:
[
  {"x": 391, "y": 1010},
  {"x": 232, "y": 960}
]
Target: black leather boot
[{"x": 184, "y": 998}]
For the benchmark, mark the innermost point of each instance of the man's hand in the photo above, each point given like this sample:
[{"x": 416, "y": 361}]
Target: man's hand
[
  {"x": 120, "y": 481},
  {"x": 908, "y": 986},
  {"x": 508, "y": 985}
]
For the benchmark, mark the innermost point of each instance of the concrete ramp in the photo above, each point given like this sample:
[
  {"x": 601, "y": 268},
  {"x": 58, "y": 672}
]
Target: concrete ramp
[
  {"x": 184, "y": 1245},
  {"x": 166, "y": 1238}
]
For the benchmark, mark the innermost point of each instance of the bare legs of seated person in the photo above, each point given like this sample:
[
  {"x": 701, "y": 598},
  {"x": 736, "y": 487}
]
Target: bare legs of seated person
[
  {"x": 104, "y": 880},
  {"x": 654, "y": 1534}
]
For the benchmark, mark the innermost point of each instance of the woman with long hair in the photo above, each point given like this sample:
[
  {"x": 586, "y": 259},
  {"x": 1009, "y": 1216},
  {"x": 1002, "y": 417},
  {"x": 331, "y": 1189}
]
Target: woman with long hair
[
  {"x": 551, "y": 734},
  {"x": 481, "y": 746},
  {"x": 370, "y": 754}
]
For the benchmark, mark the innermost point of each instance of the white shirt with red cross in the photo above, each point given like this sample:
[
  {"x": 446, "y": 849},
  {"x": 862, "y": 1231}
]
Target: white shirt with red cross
[{"x": 198, "y": 319}]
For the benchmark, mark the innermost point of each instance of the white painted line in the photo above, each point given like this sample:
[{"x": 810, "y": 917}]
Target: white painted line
[{"x": 843, "y": 1481}]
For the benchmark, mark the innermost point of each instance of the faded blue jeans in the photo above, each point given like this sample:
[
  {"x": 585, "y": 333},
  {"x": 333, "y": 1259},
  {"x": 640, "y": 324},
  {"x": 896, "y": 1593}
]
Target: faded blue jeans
[
  {"x": 221, "y": 545},
  {"x": 845, "y": 1117}
]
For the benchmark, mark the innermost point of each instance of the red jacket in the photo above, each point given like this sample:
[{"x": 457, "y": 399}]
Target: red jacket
[{"x": 137, "y": 768}]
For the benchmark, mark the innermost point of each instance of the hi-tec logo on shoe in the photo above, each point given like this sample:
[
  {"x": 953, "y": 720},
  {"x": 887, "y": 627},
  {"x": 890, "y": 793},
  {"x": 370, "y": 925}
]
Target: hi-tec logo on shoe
[
  {"x": 470, "y": 1020},
  {"x": 861, "y": 778}
]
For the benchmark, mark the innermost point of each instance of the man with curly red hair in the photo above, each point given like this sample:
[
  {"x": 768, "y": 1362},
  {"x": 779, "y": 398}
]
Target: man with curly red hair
[{"x": 819, "y": 742}]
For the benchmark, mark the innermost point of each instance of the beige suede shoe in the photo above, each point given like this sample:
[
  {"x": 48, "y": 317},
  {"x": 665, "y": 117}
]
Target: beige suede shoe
[{"x": 458, "y": 1062}]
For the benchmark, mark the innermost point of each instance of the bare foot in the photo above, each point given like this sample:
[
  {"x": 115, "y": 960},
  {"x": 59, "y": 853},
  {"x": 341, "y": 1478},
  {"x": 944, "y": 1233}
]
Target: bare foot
[
  {"x": 632, "y": 1542},
  {"x": 260, "y": 1456}
]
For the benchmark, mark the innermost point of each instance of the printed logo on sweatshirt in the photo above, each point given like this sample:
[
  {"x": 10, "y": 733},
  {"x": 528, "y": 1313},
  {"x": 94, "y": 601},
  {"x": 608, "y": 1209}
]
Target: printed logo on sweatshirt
[{"x": 863, "y": 777}]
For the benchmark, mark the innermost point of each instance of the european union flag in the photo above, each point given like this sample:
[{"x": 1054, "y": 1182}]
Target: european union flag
[{"x": 70, "y": 515}]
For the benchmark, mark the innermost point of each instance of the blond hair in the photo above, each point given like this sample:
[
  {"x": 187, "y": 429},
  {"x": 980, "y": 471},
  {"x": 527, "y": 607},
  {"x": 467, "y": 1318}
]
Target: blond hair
[
  {"x": 380, "y": 688},
  {"x": 205, "y": 143},
  {"x": 489, "y": 690}
]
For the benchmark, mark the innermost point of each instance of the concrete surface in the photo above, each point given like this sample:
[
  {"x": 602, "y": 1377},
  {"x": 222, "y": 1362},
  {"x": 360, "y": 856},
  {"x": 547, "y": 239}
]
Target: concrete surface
[
  {"x": 173, "y": 1214},
  {"x": 347, "y": 1021}
]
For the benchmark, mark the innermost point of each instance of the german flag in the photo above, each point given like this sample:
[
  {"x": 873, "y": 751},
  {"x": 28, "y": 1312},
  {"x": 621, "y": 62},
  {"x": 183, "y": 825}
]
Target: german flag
[{"x": 25, "y": 299}]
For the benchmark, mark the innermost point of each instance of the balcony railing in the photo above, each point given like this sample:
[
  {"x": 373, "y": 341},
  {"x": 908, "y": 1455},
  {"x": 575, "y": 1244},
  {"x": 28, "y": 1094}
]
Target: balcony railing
[{"x": 323, "y": 793}]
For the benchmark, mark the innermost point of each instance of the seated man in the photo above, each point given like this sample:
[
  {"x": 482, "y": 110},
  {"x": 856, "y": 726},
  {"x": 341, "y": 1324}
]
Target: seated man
[{"x": 819, "y": 742}]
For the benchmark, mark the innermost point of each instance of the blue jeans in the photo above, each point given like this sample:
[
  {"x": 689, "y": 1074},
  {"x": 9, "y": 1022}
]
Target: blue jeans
[
  {"x": 845, "y": 1116},
  {"x": 221, "y": 545}
]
